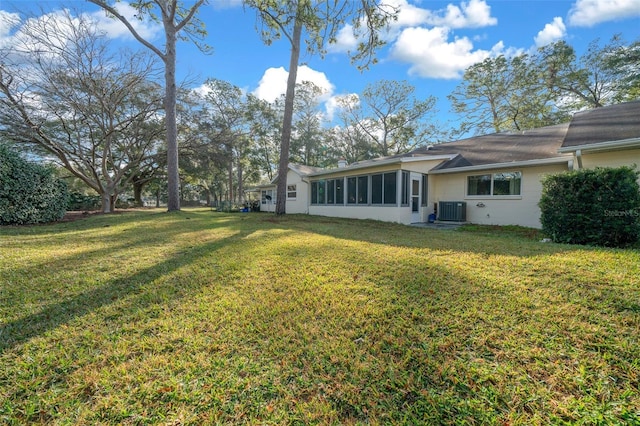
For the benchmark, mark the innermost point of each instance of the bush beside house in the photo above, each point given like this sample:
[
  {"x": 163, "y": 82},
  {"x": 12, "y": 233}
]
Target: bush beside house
[
  {"x": 598, "y": 206},
  {"x": 29, "y": 193}
]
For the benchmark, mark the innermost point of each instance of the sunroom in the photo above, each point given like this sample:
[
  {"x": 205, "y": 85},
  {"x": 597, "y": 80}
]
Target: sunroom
[{"x": 392, "y": 189}]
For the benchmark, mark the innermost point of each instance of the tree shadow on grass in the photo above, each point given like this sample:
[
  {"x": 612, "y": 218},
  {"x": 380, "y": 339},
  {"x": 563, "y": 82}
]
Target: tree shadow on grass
[{"x": 54, "y": 315}]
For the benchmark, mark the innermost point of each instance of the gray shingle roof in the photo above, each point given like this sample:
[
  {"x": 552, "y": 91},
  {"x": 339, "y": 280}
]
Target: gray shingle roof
[
  {"x": 611, "y": 123},
  {"x": 606, "y": 124},
  {"x": 536, "y": 144},
  {"x": 304, "y": 170}
]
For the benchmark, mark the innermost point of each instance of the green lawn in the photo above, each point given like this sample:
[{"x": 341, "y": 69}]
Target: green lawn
[{"x": 197, "y": 317}]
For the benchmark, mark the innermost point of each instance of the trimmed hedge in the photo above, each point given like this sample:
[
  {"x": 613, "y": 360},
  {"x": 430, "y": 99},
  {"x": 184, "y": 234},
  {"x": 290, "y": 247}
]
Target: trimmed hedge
[
  {"x": 29, "y": 193},
  {"x": 598, "y": 206}
]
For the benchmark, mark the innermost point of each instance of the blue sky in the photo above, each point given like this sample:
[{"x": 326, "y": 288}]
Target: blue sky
[{"x": 430, "y": 45}]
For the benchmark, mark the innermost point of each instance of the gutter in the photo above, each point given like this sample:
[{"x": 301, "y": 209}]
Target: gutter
[
  {"x": 579, "y": 158},
  {"x": 602, "y": 146},
  {"x": 373, "y": 164},
  {"x": 527, "y": 163}
]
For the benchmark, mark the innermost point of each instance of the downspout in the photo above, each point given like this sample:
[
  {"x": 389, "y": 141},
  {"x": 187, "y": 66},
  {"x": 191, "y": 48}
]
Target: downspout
[{"x": 579, "y": 158}]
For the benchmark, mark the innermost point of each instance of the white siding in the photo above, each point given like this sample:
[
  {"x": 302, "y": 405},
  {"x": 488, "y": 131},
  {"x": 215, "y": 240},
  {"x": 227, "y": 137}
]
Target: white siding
[
  {"x": 299, "y": 204},
  {"x": 386, "y": 214}
]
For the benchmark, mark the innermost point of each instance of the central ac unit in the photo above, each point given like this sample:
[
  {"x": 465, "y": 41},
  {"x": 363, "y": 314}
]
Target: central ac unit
[{"x": 455, "y": 211}]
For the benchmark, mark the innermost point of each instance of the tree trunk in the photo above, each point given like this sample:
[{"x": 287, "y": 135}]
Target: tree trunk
[
  {"x": 231, "y": 178},
  {"x": 283, "y": 166},
  {"x": 240, "y": 189},
  {"x": 137, "y": 194},
  {"x": 106, "y": 202},
  {"x": 173, "y": 177}
]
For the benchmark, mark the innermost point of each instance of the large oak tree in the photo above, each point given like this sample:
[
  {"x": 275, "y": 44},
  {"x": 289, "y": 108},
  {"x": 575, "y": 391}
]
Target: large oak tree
[
  {"x": 175, "y": 18},
  {"x": 67, "y": 97}
]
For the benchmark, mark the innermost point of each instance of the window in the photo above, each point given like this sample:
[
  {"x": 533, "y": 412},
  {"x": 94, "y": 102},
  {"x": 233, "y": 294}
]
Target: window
[
  {"x": 331, "y": 191},
  {"x": 340, "y": 191},
  {"x": 314, "y": 192},
  {"x": 383, "y": 188},
  {"x": 405, "y": 188},
  {"x": 479, "y": 185},
  {"x": 363, "y": 189},
  {"x": 390, "y": 188},
  {"x": 505, "y": 183},
  {"x": 318, "y": 192},
  {"x": 358, "y": 190},
  {"x": 321, "y": 192},
  {"x": 376, "y": 189},
  {"x": 351, "y": 190},
  {"x": 291, "y": 192}
]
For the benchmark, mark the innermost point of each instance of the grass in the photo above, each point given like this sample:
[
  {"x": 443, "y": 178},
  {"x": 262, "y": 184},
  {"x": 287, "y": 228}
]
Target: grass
[{"x": 197, "y": 317}]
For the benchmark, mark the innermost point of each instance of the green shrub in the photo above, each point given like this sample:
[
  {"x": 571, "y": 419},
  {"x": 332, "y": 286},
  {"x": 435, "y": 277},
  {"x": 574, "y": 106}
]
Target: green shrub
[
  {"x": 78, "y": 201},
  {"x": 595, "y": 206},
  {"x": 29, "y": 193}
]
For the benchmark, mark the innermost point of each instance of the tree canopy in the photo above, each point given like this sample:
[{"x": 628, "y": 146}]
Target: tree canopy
[
  {"x": 178, "y": 22},
  {"x": 63, "y": 99}
]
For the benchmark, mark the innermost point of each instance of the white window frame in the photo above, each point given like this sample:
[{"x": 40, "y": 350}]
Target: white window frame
[{"x": 491, "y": 190}]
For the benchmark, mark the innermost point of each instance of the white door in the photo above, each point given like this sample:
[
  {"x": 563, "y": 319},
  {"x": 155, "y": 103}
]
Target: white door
[{"x": 416, "y": 183}]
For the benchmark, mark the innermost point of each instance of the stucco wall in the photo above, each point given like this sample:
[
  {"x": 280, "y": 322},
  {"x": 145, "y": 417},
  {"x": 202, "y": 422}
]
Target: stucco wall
[
  {"x": 611, "y": 159},
  {"x": 386, "y": 213},
  {"x": 520, "y": 210}
]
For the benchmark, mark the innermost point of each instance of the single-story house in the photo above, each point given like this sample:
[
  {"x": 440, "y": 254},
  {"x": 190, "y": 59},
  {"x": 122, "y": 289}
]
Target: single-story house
[
  {"x": 297, "y": 190},
  {"x": 491, "y": 179}
]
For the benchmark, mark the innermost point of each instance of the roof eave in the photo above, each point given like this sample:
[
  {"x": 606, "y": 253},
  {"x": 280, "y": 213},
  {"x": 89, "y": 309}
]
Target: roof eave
[
  {"x": 602, "y": 146},
  {"x": 512, "y": 164},
  {"x": 397, "y": 160}
]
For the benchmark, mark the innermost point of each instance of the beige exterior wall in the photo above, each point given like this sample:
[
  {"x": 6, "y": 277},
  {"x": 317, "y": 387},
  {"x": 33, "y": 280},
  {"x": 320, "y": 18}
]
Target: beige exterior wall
[
  {"x": 610, "y": 159},
  {"x": 520, "y": 210}
]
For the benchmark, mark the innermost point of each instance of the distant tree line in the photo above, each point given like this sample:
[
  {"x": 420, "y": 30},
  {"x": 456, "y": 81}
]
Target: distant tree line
[{"x": 534, "y": 90}]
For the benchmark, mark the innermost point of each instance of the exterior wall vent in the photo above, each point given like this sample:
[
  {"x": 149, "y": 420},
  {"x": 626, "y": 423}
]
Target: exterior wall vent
[{"x": 455, "y": 211}]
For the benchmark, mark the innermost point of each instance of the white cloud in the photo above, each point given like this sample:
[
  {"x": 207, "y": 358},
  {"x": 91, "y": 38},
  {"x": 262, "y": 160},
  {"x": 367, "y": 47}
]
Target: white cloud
[
  {"x": 273, "y": 83},
  {"x": 432, "y": 55},
  {"x": 551, "y": 32},
  {"x": 471, "y": 14},
  {"x": 116, "y": 29},
  {"x": 346, "y": 40},
  {"x": 57, "y": 25},
  {"x": 474, "y": 14},
  {"x": 587, "y": 13},
  {"x": 8, "y": 21},
  {"x": 226, "y": 4},
  {"x": 409, "y": 15},
  {"x": 339, "y": 102}
]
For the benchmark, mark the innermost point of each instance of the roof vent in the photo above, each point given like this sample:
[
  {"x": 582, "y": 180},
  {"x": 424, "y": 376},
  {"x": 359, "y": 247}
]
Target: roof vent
[{"x": 342, "y": 163}]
